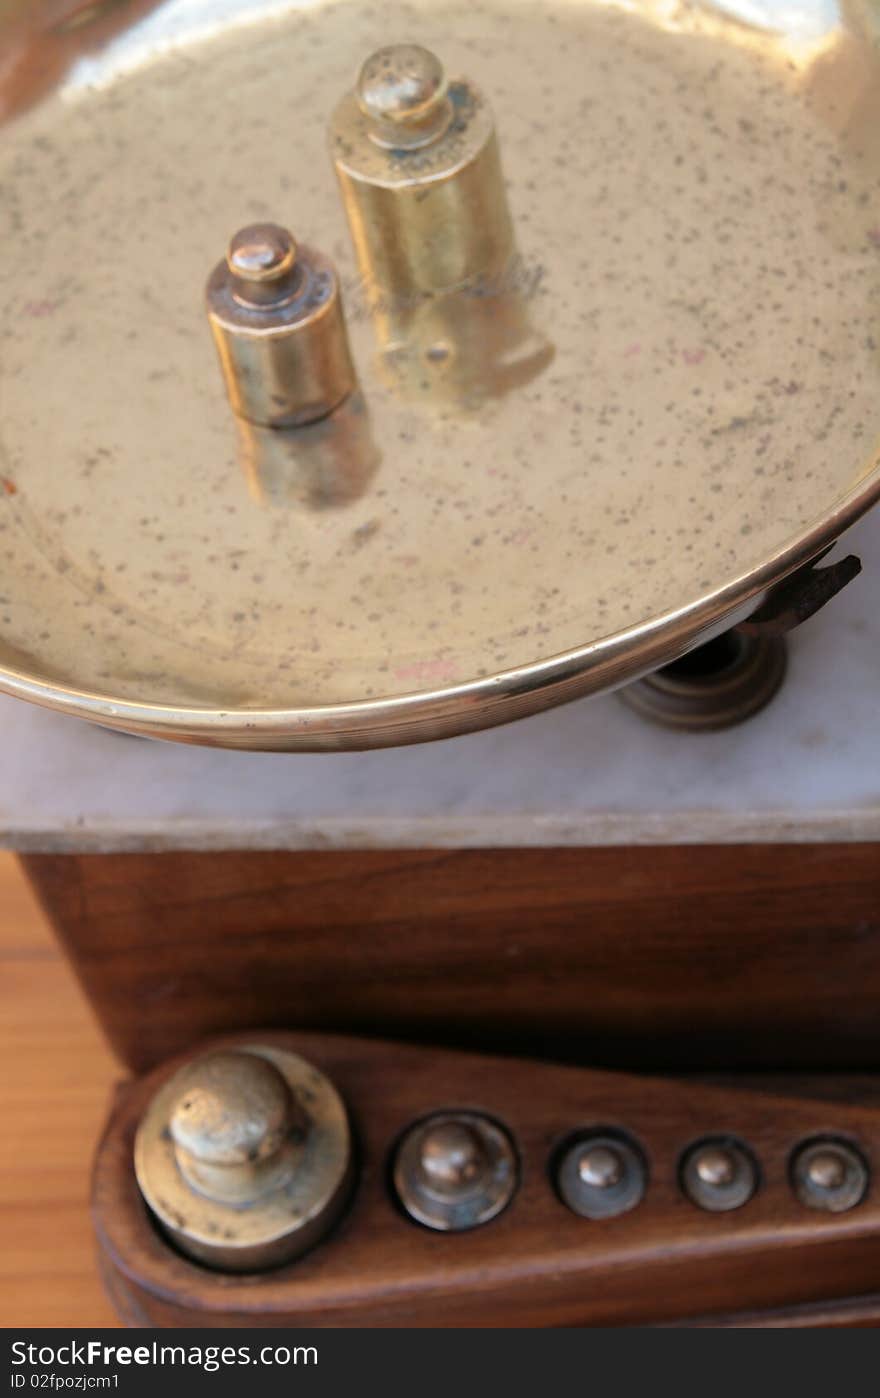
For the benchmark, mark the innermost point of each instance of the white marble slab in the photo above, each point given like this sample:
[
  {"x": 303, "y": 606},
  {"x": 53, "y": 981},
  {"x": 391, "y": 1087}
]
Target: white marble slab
[{"x": 808, "y": 769}]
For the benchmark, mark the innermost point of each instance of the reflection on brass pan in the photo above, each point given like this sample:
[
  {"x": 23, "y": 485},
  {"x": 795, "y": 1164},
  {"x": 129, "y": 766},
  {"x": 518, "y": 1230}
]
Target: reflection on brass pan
[
  {"x": 668, "y": 401},
  {"x": 322, "y": 466},
  {"x": 464, "y": 346}
]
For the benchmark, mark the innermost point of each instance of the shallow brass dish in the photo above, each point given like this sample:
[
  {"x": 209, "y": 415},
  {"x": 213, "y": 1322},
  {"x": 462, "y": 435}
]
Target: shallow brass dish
[{"x": 677, "y": 404}]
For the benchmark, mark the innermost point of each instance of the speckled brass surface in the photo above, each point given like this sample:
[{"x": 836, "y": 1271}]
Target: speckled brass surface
[{"x": 696, "y": 204}]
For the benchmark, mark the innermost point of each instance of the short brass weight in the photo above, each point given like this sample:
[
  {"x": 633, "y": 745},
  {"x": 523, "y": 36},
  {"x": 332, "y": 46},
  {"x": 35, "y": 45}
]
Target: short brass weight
[
  {"x": 244, "y": 1158},
  {"x": 278, "y": 324}
]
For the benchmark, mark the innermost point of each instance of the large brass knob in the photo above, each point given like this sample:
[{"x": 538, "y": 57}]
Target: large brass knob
[{"x": 244, "y": 1157}]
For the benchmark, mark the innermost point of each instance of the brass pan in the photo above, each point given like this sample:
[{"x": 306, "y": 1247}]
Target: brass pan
[{"x": 672, "y": 402}]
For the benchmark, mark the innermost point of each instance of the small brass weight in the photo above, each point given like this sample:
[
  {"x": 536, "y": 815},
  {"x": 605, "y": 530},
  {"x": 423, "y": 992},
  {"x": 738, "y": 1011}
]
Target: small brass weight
[{"x": 276, "y": 315}]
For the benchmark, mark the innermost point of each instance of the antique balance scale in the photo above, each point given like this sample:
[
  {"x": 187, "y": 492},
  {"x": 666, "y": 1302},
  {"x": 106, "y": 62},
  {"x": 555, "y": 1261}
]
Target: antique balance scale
[{"x": 545, "y": 362}]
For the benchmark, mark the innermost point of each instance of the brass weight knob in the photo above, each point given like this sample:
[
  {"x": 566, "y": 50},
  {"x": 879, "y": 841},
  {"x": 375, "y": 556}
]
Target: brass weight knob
[
  {"x": 244, "y": 1157},
  {"x": 232, "y": 1124},
  {"x": 403, "y": 93}
]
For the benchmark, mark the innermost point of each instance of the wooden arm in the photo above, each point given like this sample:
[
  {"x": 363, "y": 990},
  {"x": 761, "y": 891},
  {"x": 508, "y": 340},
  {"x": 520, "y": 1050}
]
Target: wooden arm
[{"x": 666, "y": 1261}]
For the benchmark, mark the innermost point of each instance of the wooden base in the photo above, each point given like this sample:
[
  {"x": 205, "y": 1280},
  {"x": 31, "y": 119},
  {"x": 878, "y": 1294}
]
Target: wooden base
[
  {"x": 536, "y": 1264},
  {"x": 659, "y": 960},
  {"x": 670, "y": 958}
]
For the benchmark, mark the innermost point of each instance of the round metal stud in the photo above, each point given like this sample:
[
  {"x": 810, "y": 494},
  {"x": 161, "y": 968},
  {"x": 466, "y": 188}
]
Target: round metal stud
[
  {"x": 244, "y": 1157},
  {"x": 402, "y": 89},
  {"x": 229, "y": 1124},
  {"x": 601, "y": 1176},
  {"x": 600, "y": 1167},
  {"x": 716, "y": 686},
  {"x": 829, "y": 1174},
  {"x": 455, "y": 1171},
  {"x": 262, "y": 261},
  {"x": 719, "y": 1175}
]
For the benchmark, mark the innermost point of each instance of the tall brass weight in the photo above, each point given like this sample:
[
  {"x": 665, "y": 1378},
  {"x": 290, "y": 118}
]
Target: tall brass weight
[{"x": 418, "y": 163}]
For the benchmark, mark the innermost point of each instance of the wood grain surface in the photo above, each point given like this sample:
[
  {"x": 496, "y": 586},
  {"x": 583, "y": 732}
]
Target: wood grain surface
[
  {"x": 55, "y": 1087},
  {"x": 724, "y": 957}
]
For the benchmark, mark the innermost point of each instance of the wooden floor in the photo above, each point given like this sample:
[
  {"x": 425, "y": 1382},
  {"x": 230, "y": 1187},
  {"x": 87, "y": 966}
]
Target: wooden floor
[{"x": 55, "y": 1084}]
